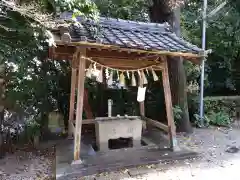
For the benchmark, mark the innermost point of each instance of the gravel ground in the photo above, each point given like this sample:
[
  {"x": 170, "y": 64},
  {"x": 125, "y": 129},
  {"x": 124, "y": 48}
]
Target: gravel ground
[
  {"x": 28, "y": 165},
  {"x": 211, "y": 143},
  {"x": 214, "y": 161}
]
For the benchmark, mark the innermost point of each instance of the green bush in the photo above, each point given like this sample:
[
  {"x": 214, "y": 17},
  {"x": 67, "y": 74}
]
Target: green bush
[
  {"x": 218, "y": 110},
  {"x": 219, "y": 118},
  {"x": 206, "y": 120},
  {"x": 32, "y": 128},
  {"x": 177, "y": 113},
  {"x": 213, "y": 118}
]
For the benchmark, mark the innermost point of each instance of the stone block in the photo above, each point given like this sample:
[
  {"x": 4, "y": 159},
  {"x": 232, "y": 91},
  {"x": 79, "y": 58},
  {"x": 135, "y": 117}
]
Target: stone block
[
  {"x": 113, "y": 176},
  {"x": 140, "y": 171},
  {"x": 119, "y": 128}
]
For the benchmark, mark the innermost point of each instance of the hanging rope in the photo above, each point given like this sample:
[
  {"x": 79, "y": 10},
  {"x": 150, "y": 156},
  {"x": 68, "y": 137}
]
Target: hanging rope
[{"x": 116, "y": 69}]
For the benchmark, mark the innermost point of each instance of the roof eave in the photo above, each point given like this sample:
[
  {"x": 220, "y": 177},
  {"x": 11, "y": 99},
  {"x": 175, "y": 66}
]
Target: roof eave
[{"x": 114, "y": 47}]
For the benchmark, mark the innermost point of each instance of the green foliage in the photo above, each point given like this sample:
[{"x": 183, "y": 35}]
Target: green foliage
[
  {"x": 124, "y": 9},
  {"x": 38, "y": 86},
  {"x": 34, "y": 85},
  {"x": 219, "y": 105},
  {"x": 218, "y": 111},
  {"x": 78, "y": 7},
  {"x": 31, "y": 129},
  {"x": 223, "y": 38},
  {"x": 198, "y": 120},
  {"x": 177, "y": 113},
  {"x": 213, "y": 118},
  {"x": 220, "y": 118}
]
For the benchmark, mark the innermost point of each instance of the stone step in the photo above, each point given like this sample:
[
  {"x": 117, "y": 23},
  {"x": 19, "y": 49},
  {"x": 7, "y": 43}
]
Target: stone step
[{"x": 113, "y": 161}]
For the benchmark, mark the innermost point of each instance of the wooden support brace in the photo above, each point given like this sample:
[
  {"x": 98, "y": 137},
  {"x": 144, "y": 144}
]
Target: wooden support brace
[
  {"x": 72, "y": 98},
  {"x": 156, "y": 124},
  {"x": 80, "y": 95},
  {"x": 169, "y": 108}
]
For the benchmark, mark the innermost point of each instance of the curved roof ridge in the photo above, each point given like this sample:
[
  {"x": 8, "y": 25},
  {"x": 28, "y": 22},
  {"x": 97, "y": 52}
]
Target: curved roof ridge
[{"x": 121, "y": 23}]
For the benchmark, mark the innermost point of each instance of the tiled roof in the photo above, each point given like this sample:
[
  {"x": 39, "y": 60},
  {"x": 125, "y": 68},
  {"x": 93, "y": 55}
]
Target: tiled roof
[{"x": 130, "y": 34}]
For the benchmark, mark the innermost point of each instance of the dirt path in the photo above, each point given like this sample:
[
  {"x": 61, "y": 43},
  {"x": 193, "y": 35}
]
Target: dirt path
[
  {"x": 210, "y": 143},
  {"x": 214, "y": 162},
  {"x": 28, "y": 165}
]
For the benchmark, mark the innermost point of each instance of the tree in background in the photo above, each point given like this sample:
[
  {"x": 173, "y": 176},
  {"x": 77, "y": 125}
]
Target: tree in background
[
  {"x": 169, "y": 12},
  {"x": 222, "y": 72},
  {"x": 29, "y": 77}
]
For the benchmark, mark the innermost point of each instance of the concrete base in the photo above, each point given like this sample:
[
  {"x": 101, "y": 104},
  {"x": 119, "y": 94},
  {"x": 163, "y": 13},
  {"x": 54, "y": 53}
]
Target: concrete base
[
  {"x": 175, "y": 146},
  {"x": 118, "y": 128},
  {"x": 74, "y": 162},
  {"x": 64, "y": 156},
  {"x": 60, "y": 170}
]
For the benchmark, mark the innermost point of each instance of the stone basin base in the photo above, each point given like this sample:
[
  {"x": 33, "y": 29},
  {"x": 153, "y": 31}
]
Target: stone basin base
[{"x": 115, "y": 129}]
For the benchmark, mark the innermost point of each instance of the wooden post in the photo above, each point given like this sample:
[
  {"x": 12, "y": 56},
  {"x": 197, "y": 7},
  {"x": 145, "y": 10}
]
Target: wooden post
[
  {"x": 72, "y": 96},
  {"x": 141, "y": 104},
  {"x": 169, "y": 108},
  {"x": 80, "y": 95}
]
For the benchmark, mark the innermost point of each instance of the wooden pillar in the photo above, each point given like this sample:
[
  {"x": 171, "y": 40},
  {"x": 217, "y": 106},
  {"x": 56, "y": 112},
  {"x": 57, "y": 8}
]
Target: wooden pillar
[
  {"x": 72, "y": 97},
  {"x": 169, "y": 108},
  {"x": 141, "y": 104},
  {"x": 80, "y": 95},
  {"x": 142, "y": 107}
]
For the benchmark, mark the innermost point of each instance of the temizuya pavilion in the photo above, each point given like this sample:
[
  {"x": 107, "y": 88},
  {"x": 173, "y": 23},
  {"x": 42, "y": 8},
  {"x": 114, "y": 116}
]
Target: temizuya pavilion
[{"x": 123, "y": 47}]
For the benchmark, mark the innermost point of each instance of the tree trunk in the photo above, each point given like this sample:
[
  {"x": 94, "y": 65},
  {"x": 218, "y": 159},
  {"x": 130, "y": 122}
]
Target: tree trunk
[
  {"x": 1, "y": 134},
  {"x": 2, "y": 96},
  {"x": 159, "y": 12}
]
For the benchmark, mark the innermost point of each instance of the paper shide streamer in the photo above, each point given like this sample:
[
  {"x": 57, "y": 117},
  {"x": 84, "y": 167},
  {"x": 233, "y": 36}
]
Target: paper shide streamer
[{"x": 99, "y": 71}]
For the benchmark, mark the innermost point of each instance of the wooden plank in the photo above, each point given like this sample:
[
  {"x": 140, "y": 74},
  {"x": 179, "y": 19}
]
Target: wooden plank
[
  {"x": 80, "y": 95},
  {"x": 156, "y": 124},
  {"x": 141, "y": 104},
  {"x": 63, "y": 52},
  {"x": 86, "y": 105},
  {"x": 88, "y": 121},
  {"x": 114, "y": 47},
  {"x": 95, "y": 53},
  {"x": 72, "y": 98},
  {"x": 169, "y": 108}
]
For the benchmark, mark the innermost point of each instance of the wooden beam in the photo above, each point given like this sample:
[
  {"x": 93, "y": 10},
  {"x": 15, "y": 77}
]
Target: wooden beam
[
  {"x": 127, "y": 63},
  {"x": 80, "y": 95},
  {"x": 114, "y": 47},
  {"x": 141, "y": 104},
  {"x": 72, "y": 99},
  {"x": 122, "y": 55},
  {"x": 86, "y": 105},
  {"x": 96, "y": 53},
  {"x": 62, "y": 52},
  {"x": 156, "y": 124},
  {"x": 169, "y": 108},
  {"x": 88, "y": 121}
]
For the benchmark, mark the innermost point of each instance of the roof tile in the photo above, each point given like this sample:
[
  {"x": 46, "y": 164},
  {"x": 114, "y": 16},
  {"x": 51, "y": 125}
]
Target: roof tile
[{"x": 130, "y": 34}]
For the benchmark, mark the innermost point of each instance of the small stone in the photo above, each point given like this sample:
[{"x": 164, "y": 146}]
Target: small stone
[
  {"x": 140, "y": 171},
  {"x": 232, "y": 149}
]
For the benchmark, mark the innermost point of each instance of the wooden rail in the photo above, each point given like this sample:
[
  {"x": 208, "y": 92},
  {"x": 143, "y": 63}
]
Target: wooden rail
[
  {"x": 226, "y": 98},
  {"x": 148, "y": 120},
  {"x": 156, "y": 124}
]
